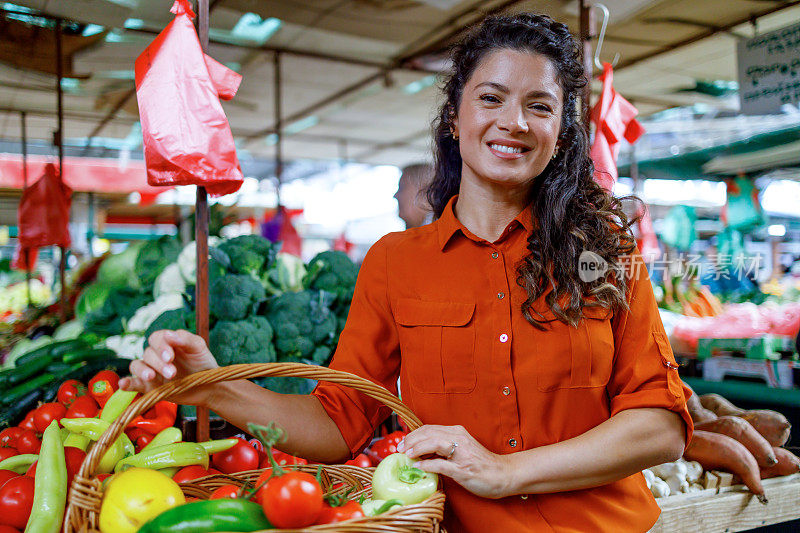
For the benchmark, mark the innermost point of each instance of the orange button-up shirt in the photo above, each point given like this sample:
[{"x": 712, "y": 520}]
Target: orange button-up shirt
[{"x": 440, "y": 308}]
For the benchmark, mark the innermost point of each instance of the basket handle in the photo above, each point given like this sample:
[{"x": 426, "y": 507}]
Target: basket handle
[{"x": 243, "y": 371}]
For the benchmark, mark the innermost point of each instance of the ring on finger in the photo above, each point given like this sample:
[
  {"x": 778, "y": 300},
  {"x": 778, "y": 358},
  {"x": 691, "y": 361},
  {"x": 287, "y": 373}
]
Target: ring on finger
[{"x": 453, "y": 447}]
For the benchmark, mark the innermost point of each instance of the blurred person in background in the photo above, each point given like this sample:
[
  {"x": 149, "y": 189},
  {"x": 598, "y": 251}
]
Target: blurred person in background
[{"x": 414, "y": 208}]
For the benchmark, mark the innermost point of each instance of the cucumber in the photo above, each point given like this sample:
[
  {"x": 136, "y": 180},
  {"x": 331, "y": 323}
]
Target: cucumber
[
  {"x": 62, "y": 347},
  {"x": 17, "y": 393},
  {"x": 55, "y": 349},
  {"x": 88, "y": 354},
  {"x": 11, "y": 415},
  {"x": 117, "y": 364}
]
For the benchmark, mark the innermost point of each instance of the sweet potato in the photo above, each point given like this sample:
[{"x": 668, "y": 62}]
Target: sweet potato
[
  {"x": 698, "y": 413},
  {"x": 788, "y": 463},
  {"x": 772, "y": 425},
  {"x": 738, "y": 428},
  {"x": 719, "y": 405},
  {"x": 720, "y": 452}
]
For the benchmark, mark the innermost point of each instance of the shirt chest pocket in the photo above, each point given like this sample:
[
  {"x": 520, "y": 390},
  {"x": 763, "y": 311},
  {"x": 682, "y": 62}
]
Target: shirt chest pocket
[
  {"x": 437, "y": 345},
  {"x": 577, "y": 357}
]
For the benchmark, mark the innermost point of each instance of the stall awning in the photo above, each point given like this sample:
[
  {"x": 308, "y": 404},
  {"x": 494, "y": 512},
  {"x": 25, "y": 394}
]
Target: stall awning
[{"x": 82, "y": 174}]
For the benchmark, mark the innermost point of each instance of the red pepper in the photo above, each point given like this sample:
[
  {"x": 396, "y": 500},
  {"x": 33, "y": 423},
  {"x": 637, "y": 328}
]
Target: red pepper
[
  {"x": 160, "y": 417},
  {"x": 101, "y": 391}
]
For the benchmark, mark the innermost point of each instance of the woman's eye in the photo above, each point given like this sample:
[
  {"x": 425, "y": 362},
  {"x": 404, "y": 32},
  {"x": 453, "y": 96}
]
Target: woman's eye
[
  {"x": 541, "y": 107},
  {"x": 490, "y": 98}
]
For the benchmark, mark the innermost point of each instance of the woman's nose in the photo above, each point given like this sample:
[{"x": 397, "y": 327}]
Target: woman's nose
[{"x": 513, "y": 120}]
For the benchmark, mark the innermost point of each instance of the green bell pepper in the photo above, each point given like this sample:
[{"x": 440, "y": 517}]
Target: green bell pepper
[
  {"x": 209, "y": 516},
  {"x": 395, "y": 478}
]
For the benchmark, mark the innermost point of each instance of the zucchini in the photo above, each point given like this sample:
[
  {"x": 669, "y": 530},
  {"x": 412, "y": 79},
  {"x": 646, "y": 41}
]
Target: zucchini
[
  {"x": 11, "y": 415},
  {"x": 17, "y": 393},
  {"x": 117, "y": 364},
  {"x": 22, "y": 374},
  {"x": 62, "y": 347},
  {"x": 88, "y": 354}
]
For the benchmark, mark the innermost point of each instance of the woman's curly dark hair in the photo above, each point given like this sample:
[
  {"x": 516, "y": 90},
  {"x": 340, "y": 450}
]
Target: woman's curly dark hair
[{"x": 572, "y": 211}]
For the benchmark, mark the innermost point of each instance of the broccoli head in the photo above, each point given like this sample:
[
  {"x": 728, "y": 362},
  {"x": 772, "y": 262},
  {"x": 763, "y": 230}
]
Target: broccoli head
[
  {"x": 154, "y": 257},
  {"x": 249, "y": 254},
  {"x": 242, "y": 341},
  {"x": 334, "y": 272},
  {"x": 183, "y": 318},
  {"x": 234, "y": 297},
  {"x": 302, "y": 321}
]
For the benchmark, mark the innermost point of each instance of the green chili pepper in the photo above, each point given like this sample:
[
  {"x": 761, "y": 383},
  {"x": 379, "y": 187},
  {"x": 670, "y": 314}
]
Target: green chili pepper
[
  {"x": 376, "y": 507},
  {"x": 77, "y": 441},
  {"x": 64, "y": 433},
  {"x": 216, "y": 446},
  {"x": 170, "y": 435},
  {"x": 50, "y": 489},
  {"x": 178, "y": 454},
  {"x": 116, "y": 404},
  {"x": 170, "y": 470},
  {"x": 93, "y": 428},
  {"x": 209, "y": 516},
  {"x": 19, "y": 463}
]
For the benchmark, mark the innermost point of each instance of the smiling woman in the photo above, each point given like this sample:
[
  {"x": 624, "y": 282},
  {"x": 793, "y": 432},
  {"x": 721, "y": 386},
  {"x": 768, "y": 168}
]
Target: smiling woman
[{"x": 544, "y": 393}]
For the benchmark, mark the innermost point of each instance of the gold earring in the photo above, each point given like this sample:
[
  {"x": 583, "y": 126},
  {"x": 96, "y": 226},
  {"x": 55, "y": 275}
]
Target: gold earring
[
  {"x": 453, "y": 133},
  {"x": 555, "y": 154}
]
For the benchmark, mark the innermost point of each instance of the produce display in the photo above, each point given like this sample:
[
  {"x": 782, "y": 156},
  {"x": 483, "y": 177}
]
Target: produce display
[{"x": 729, "y": 446}]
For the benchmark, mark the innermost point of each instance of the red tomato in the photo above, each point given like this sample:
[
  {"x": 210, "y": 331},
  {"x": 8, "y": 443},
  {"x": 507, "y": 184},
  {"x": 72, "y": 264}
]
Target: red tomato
[
  {"x": 261, "y": 482},
  {"x": 360, "y": 460},
  {"x": 32, "y": 470},
  {"x": 5, "y": 453},
  {"x": 74, "y": 457},
  {"x": 386, "y": 446},
  {"x": 8, "y": 437},
  {"x": 332, "y": 515},
  {"x": 83, "y": 407},
  {"x": 16, "y": 498},
  {"x": 292, "y": 500},
  {"x": 8, "y": 529},
  {"x": 69, "y": 391},
  {"x": 189, "y": 473},
  {"x": 27, "y": 442},
  {"x": 282, "y": 458},
  {"x": 237, "y": 459},
  {"x": 27, "y": 423},
  {"x": 5, "y": 475},
  {"x": 257, "y": 444},
  {"x": 225, "y": 491},
  {"x": 46, "y": 413}
]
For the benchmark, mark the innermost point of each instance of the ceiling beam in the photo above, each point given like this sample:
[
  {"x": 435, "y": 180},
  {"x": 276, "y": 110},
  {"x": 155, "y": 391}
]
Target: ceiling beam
[
  {"x": 112, "y": 113},
  {"x": 706, "y": 34}
]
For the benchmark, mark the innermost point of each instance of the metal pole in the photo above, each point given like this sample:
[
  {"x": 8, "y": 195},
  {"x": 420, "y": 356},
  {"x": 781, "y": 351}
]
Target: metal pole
[
  {"x": 60, "y": 146},
  {"x": 201, "y": 239},
  {"x": 26, "y": 252},
  {"x": 586, "y": 23},
  {"x": 90, "y": 229},
  {"x": 276, "y": 65}
]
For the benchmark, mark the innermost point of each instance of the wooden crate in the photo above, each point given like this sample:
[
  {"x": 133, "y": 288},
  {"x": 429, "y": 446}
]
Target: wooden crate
[{"x": 730, "y": 509}]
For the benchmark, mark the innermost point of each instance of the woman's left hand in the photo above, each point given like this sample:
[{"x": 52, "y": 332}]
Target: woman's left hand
[{"x": 472, "y": 466}]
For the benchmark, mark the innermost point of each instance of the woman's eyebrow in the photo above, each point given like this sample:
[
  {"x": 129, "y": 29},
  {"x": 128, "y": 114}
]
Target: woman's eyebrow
[{"x": 533, "y": 94}]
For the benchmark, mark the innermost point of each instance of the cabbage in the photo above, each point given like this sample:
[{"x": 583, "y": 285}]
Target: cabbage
[
  {"x": 68, "y": 330},
  {"x": 91, "y": 299},
  {"x": 118, "y": 269}
]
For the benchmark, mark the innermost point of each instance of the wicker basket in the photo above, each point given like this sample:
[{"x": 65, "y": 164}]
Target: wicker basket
[{"x": 86, "y": 493}]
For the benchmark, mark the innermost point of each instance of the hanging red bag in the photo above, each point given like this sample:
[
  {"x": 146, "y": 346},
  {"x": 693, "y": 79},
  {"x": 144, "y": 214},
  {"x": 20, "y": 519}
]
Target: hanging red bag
[
  {"x": 43, "y": 217},
  {"x": 187, "y": 138}
]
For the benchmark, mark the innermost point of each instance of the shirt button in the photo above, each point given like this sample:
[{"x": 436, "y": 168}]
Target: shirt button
[
  {"x": 501, "y": 295},
  {"x": 523, "y": 496},
  {"x": 503, "y": 337},
  {"x": 506, "y": 391},
  {"x": 512, "y": 443},
  {"x": 494, "y": 255}
]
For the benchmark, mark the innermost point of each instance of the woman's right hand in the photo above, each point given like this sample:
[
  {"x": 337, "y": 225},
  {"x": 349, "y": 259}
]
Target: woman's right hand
[{"x": 171, "y": 355}]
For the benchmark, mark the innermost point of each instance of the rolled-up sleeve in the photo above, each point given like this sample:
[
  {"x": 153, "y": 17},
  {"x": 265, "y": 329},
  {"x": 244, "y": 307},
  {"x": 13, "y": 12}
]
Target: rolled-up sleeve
[
  {"x": 368, "y": 347},
  {"x": 645, "y": 372}
]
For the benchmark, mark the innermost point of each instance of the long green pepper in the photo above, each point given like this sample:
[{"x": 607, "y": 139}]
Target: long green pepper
[
  {"x": 178, "y": 454},
  {"x": 116, "y": 404},
  {"x": 19, "y": 463},
  {"x": 50, "y": 489}
]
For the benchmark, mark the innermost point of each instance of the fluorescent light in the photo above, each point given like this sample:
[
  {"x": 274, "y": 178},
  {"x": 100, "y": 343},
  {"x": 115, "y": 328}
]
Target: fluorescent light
[
  {"x": 302, "y": 124},
  {"x": 416, "y": 86},
  {"x": 251, "y": 27},
  {"x": 71, "y": 85},
  {"x": 134, "y": 24},
  {"x": 271, "y": 139},
  {"x": 776, "y": 230},
  {"x": 115, "y": 36},
  {"x": 92, "y": 29}
]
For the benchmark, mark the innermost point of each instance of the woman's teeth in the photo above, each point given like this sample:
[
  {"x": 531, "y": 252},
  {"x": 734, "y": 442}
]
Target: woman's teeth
[{"x": 505, "y": 149}]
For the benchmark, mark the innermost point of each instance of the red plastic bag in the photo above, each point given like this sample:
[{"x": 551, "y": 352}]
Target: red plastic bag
[
  {"x": 187, "y": 138},
  {"x": 43, "y": 216}
]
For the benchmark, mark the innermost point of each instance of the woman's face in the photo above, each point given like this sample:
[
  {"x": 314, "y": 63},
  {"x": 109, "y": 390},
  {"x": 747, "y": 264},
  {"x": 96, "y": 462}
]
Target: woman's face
[{"x": 509, "y": 118}]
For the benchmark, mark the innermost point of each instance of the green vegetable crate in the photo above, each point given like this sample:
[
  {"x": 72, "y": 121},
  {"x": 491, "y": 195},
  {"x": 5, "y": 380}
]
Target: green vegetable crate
[
  {"x": 774, "y": 347},
  {"x": 85, "y": 497}
]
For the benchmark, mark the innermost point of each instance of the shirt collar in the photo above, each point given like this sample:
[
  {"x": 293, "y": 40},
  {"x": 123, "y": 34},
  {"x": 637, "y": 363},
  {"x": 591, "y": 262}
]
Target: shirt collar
[{"x": 448, "y": 225}]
